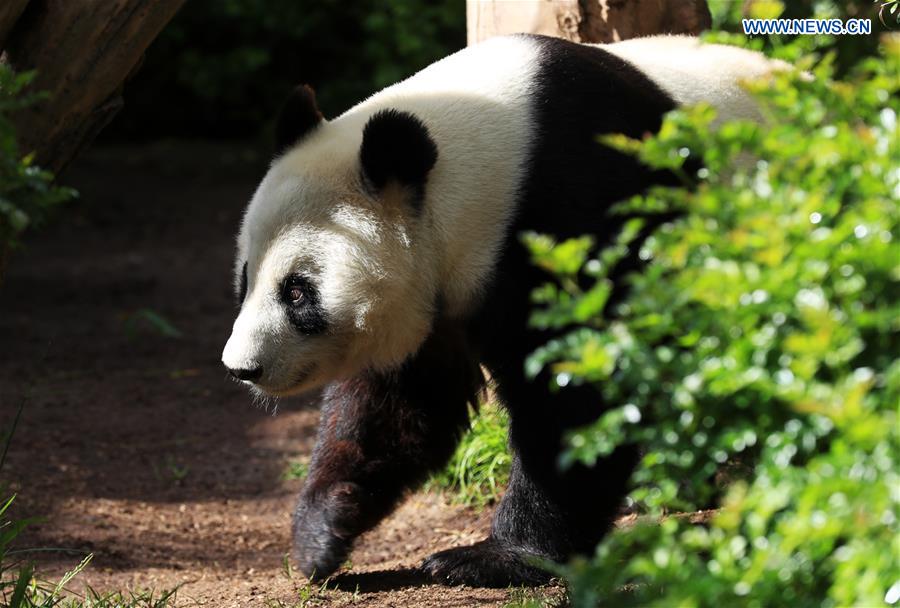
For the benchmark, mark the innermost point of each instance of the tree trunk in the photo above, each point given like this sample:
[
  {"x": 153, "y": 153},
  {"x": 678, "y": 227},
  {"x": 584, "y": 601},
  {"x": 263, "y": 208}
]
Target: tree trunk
[
  {"x": 83, "y": 51},
  {"x": 586, "y": 20},
  {"x": 10, "y": 11},
  {"x": 487, "y": 18},
  {"x": 611, "y": 20}
]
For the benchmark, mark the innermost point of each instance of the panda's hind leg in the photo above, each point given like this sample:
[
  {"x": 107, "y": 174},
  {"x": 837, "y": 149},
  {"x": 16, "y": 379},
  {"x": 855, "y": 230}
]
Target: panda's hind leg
[
  {"x": 511, "y": 554},
  {"x": 546, "y": 513}
]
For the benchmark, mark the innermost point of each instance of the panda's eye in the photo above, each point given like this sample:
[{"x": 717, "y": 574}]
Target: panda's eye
[
  {"x": 302, "y": 305},
  {"x": 296, "y": 294},
  {"x": 242, "y": 288},
  {"x": 294, "y": 290}
]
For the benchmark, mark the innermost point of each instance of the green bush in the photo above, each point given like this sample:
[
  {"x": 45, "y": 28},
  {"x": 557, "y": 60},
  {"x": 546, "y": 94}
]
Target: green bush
[
  {"x": 27, "y": 193},
  {"x": 755, "y": 356},
  {"x": 726, "y": 18}
]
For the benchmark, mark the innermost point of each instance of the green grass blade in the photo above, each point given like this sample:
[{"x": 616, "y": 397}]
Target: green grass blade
[
  {"x": 8, "y": 439},
  {"x": 18, "y": 597}
]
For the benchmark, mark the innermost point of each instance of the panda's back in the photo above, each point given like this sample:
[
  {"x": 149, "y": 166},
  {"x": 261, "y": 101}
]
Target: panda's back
[{"x": 691, "y": 71}]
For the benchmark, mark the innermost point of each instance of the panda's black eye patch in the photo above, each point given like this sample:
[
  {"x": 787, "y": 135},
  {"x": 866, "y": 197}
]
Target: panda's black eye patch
[
  {"x": 242, "y": 288},
  {"x": 301, "y": 300}
]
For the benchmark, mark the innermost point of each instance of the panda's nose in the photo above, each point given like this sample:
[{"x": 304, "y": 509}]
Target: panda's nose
[{"x": 249, "y": 375}]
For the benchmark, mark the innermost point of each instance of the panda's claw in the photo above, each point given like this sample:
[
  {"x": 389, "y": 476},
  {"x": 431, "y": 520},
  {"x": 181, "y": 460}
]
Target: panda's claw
[{"x": 489, "y": 563}]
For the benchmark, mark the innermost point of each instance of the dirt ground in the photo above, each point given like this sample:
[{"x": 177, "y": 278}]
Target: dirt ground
[{"x": 133, "y": 445}]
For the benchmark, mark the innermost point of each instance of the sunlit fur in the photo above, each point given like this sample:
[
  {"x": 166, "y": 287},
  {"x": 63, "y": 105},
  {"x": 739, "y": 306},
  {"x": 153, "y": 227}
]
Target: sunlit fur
[
  {"x": 692, "y": 72},
  {"x": 381, "y": 269}
]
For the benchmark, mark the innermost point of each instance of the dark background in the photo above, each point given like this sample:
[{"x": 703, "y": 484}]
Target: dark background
[{"x": 222, "y": 68}]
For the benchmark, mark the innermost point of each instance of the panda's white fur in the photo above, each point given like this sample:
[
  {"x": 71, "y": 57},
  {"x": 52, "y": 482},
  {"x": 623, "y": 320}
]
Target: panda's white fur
[
  {"x": 380, "y": 270},
  {"x": 693, "y": 72}
]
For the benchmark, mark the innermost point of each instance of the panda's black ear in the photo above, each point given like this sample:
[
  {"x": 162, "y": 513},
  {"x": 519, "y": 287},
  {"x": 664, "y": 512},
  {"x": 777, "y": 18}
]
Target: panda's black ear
[
  {"x": 396, "y": 146},
  {"x": 298, "y": 117}
]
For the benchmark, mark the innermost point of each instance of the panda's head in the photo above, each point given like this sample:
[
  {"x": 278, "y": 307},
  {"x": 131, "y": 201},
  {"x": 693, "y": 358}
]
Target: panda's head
[{"x": 332, "y": 270}]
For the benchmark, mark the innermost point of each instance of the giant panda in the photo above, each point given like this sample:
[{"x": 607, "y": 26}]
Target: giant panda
[{"x": 379, "y": 258}]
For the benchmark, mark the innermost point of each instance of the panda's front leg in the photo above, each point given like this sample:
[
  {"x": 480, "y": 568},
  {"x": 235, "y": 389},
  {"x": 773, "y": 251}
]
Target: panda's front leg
[{"x": 381, "y": 434}]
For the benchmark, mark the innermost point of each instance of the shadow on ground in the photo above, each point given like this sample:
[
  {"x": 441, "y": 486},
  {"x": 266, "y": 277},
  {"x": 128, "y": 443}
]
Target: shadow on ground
[{"x": 117, "y": 404}]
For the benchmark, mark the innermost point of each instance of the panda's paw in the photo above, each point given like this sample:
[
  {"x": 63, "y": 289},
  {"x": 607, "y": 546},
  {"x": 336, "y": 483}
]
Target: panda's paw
[
  {"x": 489, "y": 563},
  {"x": 319, "y": 556},
  {"x": 324, "y": 530}
]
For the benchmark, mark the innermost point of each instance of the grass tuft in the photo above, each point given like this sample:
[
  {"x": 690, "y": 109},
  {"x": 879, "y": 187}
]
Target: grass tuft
[
  {"x": 479, "y": 469},
  {"x": 297, "y": 469}
]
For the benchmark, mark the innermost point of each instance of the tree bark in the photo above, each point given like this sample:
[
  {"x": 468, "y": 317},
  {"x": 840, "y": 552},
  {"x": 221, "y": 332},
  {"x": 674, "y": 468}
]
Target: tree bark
[
  {"x": 611, "y": 20},
  {"x": 10, "y": 11},
  {"x": 487, "y": 18},
  {"x": 83, "y": 51},
  {"x": 586, "y": 20}
]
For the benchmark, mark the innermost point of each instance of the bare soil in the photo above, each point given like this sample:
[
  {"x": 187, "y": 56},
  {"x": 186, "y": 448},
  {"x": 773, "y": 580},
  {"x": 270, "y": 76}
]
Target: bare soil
[{"x": 133, "y": 445}]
